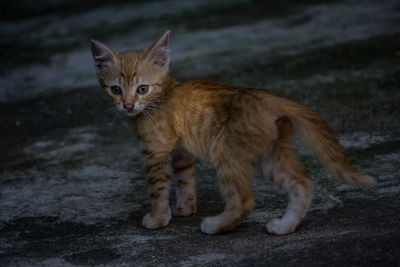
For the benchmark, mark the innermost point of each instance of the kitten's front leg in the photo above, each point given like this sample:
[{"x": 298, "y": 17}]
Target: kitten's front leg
[
  {"x": 184, "y": 170},
  {"x": 158, "y": 184}
]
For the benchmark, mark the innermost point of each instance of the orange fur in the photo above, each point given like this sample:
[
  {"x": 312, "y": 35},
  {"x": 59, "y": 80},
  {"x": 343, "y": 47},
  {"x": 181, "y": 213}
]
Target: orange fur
[{"x": 234, "y": 128}]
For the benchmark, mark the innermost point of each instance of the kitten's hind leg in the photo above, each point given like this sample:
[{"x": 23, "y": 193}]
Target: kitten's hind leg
[
  {"x": 234, "y": 183},
  {"x": 184, "y": 170},
  {"x": 283, "y": 168}
]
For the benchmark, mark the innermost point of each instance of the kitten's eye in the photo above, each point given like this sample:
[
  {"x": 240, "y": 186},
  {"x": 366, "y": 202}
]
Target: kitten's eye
[
  {"x": 142, "y": 89},
  {"x": 116, "y": 90}
]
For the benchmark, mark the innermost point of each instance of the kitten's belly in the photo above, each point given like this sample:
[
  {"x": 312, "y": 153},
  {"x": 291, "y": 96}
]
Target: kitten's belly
[
  {"x": 196, "y": 146},
  {"x": 197, "y": 129},
  {"x": 197, "y": 138}
]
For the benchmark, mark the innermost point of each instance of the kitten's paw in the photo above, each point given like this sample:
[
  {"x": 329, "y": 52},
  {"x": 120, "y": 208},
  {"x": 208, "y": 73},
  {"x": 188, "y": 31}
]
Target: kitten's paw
[
  {"x": 278, "y": 227},
  {"x": 153, "y": 221},
  {"x": 210, "y": 225},
  {"x": 187, "y": 209}
]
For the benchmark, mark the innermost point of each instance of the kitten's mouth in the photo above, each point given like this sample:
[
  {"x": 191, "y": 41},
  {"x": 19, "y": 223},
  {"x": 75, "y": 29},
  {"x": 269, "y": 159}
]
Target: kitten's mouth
[{"x": 132, "y": 113}]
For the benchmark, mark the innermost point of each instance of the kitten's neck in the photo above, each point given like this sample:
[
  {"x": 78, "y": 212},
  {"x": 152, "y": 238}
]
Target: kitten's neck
[{"x": 170, "y": 83}]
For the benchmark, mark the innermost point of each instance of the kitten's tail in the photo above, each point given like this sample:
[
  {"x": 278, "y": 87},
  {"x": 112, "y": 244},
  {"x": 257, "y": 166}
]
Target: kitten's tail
[{"x": 318, "y": 136}]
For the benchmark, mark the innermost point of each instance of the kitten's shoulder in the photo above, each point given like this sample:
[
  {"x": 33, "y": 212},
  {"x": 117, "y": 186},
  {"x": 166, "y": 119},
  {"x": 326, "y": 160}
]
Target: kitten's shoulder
[
  {"x": 199, "y": 83},
  {"x": 206, "y": 85}
]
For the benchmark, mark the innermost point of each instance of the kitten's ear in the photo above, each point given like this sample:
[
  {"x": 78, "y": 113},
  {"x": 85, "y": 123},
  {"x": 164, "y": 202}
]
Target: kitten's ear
[
  {"x": 102, "y": 55},
  {"x": 158, "y": 54}
]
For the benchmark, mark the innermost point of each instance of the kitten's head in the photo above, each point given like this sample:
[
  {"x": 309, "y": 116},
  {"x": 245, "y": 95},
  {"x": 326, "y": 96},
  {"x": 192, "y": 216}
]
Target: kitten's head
[{"x": 132, "y": 79}]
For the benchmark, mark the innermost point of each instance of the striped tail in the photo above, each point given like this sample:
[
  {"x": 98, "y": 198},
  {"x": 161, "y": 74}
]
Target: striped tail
[{"x": 319, "y": 138}]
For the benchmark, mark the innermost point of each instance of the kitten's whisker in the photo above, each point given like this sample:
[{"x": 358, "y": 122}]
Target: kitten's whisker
[
  {"x": 148, "y": 115},
  {"x": 151, "y": 107},
  {"x": 159, "y": 101},
  {"x": 113, "y": 110}
]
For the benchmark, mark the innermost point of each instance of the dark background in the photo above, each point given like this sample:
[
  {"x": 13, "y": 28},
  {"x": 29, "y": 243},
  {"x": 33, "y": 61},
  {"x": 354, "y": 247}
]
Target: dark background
[{"x": 72, "y": 186}]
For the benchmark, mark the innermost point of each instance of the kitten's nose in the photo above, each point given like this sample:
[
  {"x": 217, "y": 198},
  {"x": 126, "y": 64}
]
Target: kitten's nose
[{"x": 128, "y": 107}]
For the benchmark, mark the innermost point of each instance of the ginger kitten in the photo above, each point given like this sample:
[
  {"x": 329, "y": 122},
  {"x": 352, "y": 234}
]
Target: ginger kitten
[{"x": 236, "y": 129}]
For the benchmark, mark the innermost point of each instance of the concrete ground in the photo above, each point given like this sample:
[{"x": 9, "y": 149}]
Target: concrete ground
[{"x": 72, "y": 185}]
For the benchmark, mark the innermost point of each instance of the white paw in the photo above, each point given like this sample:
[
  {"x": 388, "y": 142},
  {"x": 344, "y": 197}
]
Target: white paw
[
  {"x": 278, "y": 227},
  {"x": 153, "y": 221},
  {"x": 210, "y": 225}
]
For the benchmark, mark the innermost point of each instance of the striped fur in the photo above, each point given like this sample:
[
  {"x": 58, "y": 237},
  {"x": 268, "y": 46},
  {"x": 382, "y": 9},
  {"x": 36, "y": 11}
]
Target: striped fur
[{"x": 233, "y": 128}]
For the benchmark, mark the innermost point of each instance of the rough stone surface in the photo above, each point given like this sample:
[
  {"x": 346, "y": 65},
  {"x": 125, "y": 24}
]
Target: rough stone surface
[{"x": 72, "y": 185}]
